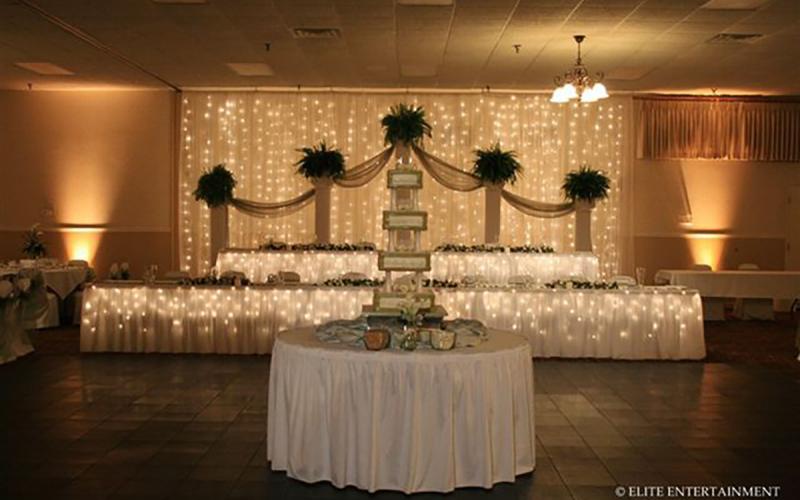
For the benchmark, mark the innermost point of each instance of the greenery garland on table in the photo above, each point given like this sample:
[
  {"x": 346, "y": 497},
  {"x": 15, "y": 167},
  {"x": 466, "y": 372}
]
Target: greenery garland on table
[
  {"x": 361, "y": 282},
  {"x": 405, "y": 125},
  {"x": 215, "y": 186},
  {"x": 215, "y": 281},
  {"x": 582, "y": 285},
  {"x": 437, "y": 283},
  {"x": 458, "y": 248},
  {"x": 320, "y": 161},
  {"x": 586, "y": 184},
  {"x": 495, "y": 166},
  {"x": 532, "y": 249},
  {"x": 318, "y": 247},
  {"x": 34, "y": 246}
]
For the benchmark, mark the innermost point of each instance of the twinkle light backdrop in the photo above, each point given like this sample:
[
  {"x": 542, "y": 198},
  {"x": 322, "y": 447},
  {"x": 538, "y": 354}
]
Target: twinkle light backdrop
[{"x": 256, "y": 134}]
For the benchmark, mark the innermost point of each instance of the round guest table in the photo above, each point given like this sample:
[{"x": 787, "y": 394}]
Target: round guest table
[{"x": 409, "y": 421}]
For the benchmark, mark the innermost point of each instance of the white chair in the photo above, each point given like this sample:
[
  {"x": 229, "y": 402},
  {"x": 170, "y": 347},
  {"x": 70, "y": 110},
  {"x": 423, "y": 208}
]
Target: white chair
[
  {"x": 748, "y": 308},
  {"x": 624, "y": 281},
  {"x": 713, "y": 307},
  {"x": 50, "y": 319}
]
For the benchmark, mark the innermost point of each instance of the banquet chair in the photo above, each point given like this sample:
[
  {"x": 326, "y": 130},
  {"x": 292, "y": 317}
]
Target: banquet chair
[
  {"x": 51, "y": 318},
  {"x": 624, "y": 281},
  {"x": 713, "y": 307},
  {"x": 749, "y": 308}
]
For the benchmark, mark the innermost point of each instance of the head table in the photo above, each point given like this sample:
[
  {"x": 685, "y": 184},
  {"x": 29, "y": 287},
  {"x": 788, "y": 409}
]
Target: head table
[
  {"x": 636, "y": 323},
  {"x": 408, "y": 421},
  {"x": 315, "y": 266}
]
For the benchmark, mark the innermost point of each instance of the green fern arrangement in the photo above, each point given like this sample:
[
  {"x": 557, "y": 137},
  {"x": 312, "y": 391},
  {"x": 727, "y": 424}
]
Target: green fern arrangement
[
  {"x": 215, "y": 186},
  {"x": 320, "y": 161},
  {"x": 493, "y": 165},
  {"x": 34, "y": 246},
  {"x": 586, "y": 184},
  {"x": 405, "y": 125}
]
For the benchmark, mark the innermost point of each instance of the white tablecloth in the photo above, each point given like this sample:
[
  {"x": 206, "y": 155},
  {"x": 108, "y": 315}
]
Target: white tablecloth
[
  {"x": 315, "y": 267},
  {"x": 746, "y": 284},
  {"x": 413, "y": 422},
  {"x": 648, "y": 323},
  {"x": 62, "y": 280}
]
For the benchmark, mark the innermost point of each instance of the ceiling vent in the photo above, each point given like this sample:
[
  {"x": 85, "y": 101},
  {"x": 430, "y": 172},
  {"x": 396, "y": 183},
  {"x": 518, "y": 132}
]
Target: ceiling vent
[
  {"x": 735, "y": 38},
  {"x": 316, "y": 33}
]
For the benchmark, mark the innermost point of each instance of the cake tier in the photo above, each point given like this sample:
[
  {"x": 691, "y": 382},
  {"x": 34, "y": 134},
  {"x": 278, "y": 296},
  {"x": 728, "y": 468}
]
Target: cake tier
[
  {"x": 383, "y": 301},
  {"x": 405, "y": 219},
  {"x": 404, "y": 261},
  {"x": 404, "y": 178}
]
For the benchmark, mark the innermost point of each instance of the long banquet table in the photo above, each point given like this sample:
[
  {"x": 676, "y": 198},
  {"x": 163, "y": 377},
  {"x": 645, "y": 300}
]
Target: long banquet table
[
  {"x": 423, "y": 421},
  {"x": 497, "y": 267},
  {"x": 639, "y": 323},
  {"x": 734, "y": 284}
]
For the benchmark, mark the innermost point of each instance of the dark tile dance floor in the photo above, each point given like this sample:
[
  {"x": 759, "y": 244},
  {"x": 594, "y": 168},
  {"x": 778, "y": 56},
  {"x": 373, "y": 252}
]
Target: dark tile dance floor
[{"x": 159, "y": 426}]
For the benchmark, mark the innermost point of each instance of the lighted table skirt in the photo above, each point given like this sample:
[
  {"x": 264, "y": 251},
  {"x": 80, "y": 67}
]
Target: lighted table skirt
[
  {"x": 497, "y": 268},
  {"x": 648, "y": 323},
  {"x": 422, "y": 421}
]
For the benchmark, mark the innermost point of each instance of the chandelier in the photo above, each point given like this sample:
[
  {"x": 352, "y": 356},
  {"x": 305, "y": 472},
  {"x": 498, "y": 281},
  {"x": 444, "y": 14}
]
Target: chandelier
[{"x": 578, "y": 84}]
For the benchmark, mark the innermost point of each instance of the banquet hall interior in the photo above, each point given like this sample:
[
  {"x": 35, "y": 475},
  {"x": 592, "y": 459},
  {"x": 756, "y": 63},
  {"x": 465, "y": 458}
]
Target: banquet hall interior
[{"x": 384, "y": 248}]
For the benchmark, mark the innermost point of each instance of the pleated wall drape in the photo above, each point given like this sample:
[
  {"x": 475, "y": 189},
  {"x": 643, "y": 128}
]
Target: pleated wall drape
[
  {"x": 256, "y": 135},
  {"x": 725, "y": 129}
]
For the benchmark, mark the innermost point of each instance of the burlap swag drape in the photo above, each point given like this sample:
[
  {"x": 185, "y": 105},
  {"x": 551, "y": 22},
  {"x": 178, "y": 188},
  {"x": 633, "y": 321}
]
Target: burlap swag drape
[
  {"x": 445, "y": 174},
  {"x": 358, "y": 176},
  {"x": 454, "y": 178},
  {"x": 718, "y": 129}
]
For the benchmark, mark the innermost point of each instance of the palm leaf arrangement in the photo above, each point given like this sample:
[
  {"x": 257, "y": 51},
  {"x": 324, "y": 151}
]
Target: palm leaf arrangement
[
  {"x": 34, "y": 246},
  {"x": 586, "y": 184},
  {"x": 215, "y": 186},
  {"x": 320, "y": 161},
  {"x": 493, "y": 165},
  {"x": 405, "y": 125}
]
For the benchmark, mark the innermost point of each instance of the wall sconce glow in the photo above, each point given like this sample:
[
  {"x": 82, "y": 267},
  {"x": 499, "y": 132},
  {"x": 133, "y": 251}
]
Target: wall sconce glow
[
  {"x": 82, "y": 243},
  {"x": 706, "y": 248}
]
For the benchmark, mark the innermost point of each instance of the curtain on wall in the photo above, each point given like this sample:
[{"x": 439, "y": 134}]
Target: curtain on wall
[
  {"x": 256, "y": 134},
  {"x": 718, "y": 129}
]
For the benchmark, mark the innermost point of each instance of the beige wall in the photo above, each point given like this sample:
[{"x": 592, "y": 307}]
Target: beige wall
[
  {"x": 739, "y": 213},
  {"x": 94, "y": 168}
]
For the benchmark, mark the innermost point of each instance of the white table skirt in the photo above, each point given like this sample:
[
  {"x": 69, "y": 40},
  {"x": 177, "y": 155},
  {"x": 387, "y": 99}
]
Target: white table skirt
[
  {"x": 735, "y": 284},
  {"x": 413, "y": 422},
  {"x": 649, "y": 323},
  {"x": 497, "y": 268}
]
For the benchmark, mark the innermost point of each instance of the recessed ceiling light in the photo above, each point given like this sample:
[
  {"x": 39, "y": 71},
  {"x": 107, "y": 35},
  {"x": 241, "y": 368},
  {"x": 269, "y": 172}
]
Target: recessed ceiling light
[
  {"x": 44, "y": 68},
  {"x": 316, "y": 33},
  {"x": 440, "y": 3},
  {"x": 251, "y": 69},
  {"x": 735, "y": 38},
  {"x": 733, "y": 4}
]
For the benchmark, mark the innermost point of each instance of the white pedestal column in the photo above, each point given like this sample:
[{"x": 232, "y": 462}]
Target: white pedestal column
[
  {"x": 322, "y": 209},
  {"x": 491, "y": 217},
  {"x": 219, "y": 231},
  {"x": 583, "y": 225}
]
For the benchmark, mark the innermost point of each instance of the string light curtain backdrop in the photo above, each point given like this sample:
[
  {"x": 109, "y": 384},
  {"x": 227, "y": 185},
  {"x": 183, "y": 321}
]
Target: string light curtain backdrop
[{"x": 256, "y": 134}]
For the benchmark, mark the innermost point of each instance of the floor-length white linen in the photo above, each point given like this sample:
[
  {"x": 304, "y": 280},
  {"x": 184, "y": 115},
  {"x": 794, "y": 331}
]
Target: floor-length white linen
[
  {"x": 646, "y": 323},
  {"x": 413, "y": 422},
  {"x": 496, "y": 267}
]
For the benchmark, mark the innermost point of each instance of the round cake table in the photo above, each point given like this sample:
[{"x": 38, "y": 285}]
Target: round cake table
[{"x": 408, "y": 421}]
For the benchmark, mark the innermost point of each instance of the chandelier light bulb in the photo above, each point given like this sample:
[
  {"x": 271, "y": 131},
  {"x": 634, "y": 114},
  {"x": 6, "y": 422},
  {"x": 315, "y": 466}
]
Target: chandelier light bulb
[
  {"x": 569, "y": 91},
  {"x": 599, "y": 90},
  {"x": 559, "y": 96},
  {"x": 589, "y": 95}
]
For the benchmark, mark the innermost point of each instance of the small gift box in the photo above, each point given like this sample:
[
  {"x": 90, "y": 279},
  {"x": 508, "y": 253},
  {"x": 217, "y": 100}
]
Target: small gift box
[
  {"x": 442, "y": 340},
  {"x": 376, "y": 339}
]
